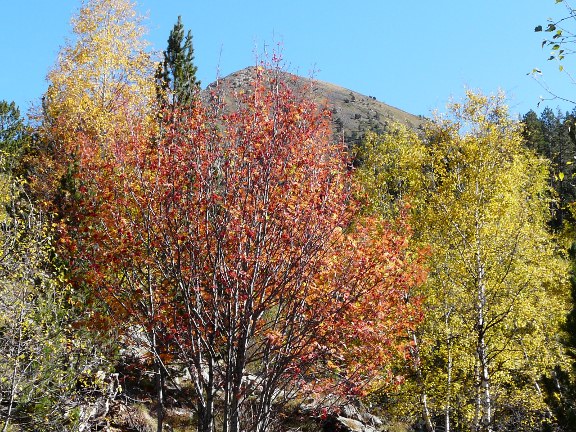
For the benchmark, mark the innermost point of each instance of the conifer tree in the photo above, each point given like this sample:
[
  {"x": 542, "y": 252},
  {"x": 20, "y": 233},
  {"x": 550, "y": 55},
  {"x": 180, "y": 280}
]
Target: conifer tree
[
  {"x": 560, "y": 385},
  {"x": 549, "y": 135},
  {"x": 176, "y": 75},
  {"x": 14, "y": 135}
]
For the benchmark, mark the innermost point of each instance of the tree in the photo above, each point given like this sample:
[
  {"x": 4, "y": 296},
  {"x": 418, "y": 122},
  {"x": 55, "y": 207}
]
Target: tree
[
  {"x": 14, "y": 135},
  {"x": 559, "y": 385},
  {"x": 549, "y": 136},
  {"x": 239, "y": 229},
  {"x": 176, "y": 75},
  {"x": 478, "y": 198},
  {"x": 102, "y": 84},
  {"x": 103, "y": 80},
  {"x": 44, "y": 355}
]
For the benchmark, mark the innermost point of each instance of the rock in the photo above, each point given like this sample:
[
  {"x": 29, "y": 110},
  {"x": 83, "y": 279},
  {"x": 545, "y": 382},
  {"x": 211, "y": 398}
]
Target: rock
[
  {"x": 359, "y": 412},
  {"x": 131, "y": 418},
  {"x": 315, "y": 404},
  {"x": 96, "y": 412},
  {"x": 372, "y": 420},
  {"x": 350, "y": 411},
  {"x": 351, "y": 425}
]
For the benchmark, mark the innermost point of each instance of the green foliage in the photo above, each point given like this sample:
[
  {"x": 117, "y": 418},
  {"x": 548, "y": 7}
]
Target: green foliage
[
  {"x": 552, "y": 137},
  {"x": 390, "y": 169},
  {"x": 560, "y": 40},
  {"x": 41, "y": 353},
  {"x": 176, "y": 75},
  {"x": 560, "y": 384},
  {"x": 14, "y": 135}
]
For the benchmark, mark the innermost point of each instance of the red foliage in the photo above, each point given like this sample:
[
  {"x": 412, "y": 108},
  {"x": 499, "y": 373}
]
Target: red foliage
[{"x": 232, "y": 238}]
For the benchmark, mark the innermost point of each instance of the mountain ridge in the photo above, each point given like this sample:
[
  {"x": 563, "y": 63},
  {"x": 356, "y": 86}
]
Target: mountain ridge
[{"x": 353, "y": 113}]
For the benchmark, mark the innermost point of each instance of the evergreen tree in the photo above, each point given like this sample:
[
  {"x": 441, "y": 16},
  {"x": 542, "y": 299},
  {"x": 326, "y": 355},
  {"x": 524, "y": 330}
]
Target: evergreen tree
[
  {"x": 176, "y": 75},
  {"x": 14, "y": 135},
  {"x": 534, "y": 133},
  {"x": 550, "y": 136}
]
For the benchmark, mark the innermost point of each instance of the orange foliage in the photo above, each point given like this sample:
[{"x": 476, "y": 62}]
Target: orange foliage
[{"x": 233, "y": 237}]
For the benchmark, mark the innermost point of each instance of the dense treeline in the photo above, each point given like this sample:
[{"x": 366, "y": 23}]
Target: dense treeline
[
  {"x": 162, "y": 246},
  {"x": 552, "y": 135}
]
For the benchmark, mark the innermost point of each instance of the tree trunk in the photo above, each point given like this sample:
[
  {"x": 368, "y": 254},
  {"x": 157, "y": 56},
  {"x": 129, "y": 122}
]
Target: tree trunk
[
  {"x": 448, "y": 404},
  {"x": 423, "y": 396},
  {"x": 208, "y": 419},
  {"x": 478, "y": 404},
  {"x": 264, "y": 406},
  {"x": 485, "y": 400},
  {"x": 483, "y": 416},
  {"x": 159, "y": 382}
]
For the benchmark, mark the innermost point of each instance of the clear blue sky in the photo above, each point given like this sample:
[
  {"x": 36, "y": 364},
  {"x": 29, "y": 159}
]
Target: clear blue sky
[{"x": 413, "y": 55}]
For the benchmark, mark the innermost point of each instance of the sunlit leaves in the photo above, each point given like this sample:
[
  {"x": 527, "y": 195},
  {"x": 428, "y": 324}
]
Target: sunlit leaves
[
  {"x": 103, "y": 79},
  {"x": 234, "y": 234},
  {"x": 41, "y": 354},
  {"x": 479, "y": 200},
  {"x": 561, "y": 38}
]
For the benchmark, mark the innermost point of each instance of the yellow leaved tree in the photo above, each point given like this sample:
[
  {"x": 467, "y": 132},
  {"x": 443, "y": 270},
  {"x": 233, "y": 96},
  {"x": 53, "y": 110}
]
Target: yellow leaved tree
[
  {"x": 104, "y": 78},
  {"x": 496, "y": 292}
]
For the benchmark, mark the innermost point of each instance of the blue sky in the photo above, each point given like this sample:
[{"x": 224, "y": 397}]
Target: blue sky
[{"x": 413, "y": 55}]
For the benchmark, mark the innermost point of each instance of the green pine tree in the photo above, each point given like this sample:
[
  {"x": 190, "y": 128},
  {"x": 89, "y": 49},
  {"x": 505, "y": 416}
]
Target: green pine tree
[
  {"x": 550, "y": 136},
  {"x": 176, "y": 76},
  {"x": 14, "y": 136}
]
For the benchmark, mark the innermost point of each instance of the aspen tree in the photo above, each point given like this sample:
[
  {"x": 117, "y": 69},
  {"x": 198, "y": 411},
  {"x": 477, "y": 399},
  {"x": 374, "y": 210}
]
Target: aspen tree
[{"x": 479, "y": 200}]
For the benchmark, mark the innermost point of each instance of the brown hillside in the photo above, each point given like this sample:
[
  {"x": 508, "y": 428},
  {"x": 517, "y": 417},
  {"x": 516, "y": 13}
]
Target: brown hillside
[{"x": 353, "y": 114}]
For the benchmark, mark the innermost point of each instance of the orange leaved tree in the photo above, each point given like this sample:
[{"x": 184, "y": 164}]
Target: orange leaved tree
[{"x": 232, "y": 240}]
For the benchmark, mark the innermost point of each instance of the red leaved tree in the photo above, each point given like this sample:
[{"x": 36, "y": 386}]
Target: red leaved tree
[{"x": 232, "y": 240}]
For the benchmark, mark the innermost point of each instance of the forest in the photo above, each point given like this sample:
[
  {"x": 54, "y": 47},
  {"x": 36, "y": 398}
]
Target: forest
[{"x": 179, "y": 259}]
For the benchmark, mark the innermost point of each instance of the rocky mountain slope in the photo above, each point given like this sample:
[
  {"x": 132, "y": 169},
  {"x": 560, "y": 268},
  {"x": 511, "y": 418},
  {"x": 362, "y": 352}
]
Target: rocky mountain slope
[{"x": 353, "y": 114}]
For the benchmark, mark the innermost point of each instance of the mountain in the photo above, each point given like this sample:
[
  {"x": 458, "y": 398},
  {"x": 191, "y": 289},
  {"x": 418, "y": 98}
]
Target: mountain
[{"x": 353, "y": 114}]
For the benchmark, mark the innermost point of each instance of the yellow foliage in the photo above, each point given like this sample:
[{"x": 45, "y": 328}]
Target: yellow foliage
[
  {"x": 480, "y": 201},
  {"x": 103, "y": 80}
]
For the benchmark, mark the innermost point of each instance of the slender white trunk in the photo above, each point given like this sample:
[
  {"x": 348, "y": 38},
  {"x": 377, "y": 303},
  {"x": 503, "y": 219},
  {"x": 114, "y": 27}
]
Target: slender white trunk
[
  {"x": 448, "y": 404},
  {"x": 478, "y": 404},
  {"x": 485, "y": 399},
  {"x": 416, "y": 360},
  {"x": 486, "y": 424}
]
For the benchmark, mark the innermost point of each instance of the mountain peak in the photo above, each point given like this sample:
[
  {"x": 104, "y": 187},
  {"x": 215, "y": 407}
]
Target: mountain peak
[{"x": 353, "y": 114}]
